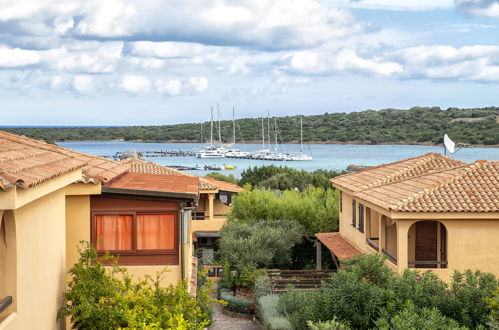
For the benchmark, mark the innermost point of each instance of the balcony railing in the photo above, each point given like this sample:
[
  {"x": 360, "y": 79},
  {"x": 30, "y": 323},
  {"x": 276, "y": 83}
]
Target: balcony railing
[
  {"x": 428, "y": 263},
  {"x": 372, "y": 243},
  {"x": 204, "y": 216},
  {"x": 390, "y": 256},
  {"x": 5, "y": 303}
]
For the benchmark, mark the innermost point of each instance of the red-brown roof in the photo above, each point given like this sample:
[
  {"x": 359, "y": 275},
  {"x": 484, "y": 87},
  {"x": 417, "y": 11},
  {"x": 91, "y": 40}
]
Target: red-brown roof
[
  {"x": 392, "y": 172},
  {"x": 222, "y": 185},
  {"x": 335, "y": 243},
  {"x": 156, "y": 182},
  {"x": 25, "y": 162}
]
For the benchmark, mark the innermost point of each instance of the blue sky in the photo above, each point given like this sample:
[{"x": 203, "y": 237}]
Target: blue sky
[{"x": 135, "y": 62}]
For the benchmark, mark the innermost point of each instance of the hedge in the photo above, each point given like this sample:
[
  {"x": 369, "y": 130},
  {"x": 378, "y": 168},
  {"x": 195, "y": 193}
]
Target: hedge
[
  {"x": 235, "y": 304},
  {"x": 268, "y": 315}
]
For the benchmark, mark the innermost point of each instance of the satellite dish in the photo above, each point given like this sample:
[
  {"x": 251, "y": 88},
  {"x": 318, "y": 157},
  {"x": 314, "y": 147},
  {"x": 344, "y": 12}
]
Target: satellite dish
[{"x": 449, "y": 144}]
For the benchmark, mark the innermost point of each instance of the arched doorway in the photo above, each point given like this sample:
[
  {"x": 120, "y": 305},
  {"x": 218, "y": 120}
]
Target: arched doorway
[{"x": 427, "y": 244}]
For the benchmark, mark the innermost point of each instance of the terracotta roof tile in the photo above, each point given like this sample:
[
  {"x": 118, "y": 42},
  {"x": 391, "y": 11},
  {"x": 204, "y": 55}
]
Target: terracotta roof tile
[
  {"x": 432, "y": 186},
  {"x": 335, "y": 243},
  {"x": 26, "y": 162},
  {"x": 392, "y": 172},
  {"x": 156, "y": 182},
  {"x": 142, "y": 166}
]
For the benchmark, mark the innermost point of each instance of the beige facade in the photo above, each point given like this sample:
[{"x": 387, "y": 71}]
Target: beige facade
[{"x": 471, "y": 239}]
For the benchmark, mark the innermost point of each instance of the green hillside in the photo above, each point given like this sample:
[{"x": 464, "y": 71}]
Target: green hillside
[{"x": 416, "y": 125}]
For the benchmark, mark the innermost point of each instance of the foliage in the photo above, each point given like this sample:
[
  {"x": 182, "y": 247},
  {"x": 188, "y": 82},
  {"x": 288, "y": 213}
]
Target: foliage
[
  {"x": 263, "y": 286},
  {"x": 108, "y": 298},
  {"x": 285, "y": 178},
  {"x": 235, "y": 304},
  {"x": 412, "y": 317},
  {"x": 467, "y": 299},
  {"x": 365, "y": 294},
  {"x": 230, "y": 178},
  {"x": 418, "y": 124},
  {"x": 333, "y": 324},
  {"x": 247, "y": 246},
  {"x": 493, "y": 304},
  {"x": 267, "y": 313},
  {"x": 316, "y": 209}
]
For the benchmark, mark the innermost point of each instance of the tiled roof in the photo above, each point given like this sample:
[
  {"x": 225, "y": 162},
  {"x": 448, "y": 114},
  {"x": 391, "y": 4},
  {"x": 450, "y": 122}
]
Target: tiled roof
[
  {"x": 156, "y": 182},
  {"x": 335, "y": 243},
  {"x": 463, "y": 188},
  {"x": 387, "y": 173},
  {"x": 26, "y": 162},
  {"x": 222, "y": 185},
  {"x": 142, "y": 166}
]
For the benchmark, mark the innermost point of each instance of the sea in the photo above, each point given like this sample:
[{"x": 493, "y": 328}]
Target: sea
[{"x": 325, "y": 156}]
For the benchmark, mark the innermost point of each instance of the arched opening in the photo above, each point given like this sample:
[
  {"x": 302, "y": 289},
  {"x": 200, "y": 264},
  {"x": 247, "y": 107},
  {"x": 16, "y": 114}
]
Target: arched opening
[
  {"x": 8, "y": 267},
  {"x": 427, "y": 244}
]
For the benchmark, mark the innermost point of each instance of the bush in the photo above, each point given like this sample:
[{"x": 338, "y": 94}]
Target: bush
[
  {"x": 267, "y": 313},
  {"x": 493, "y": 305},
  {"x": 316, "y": 209},
  {"x": 258, "y": 245},
  {"x": 222, "y": 177},
  {"x": 235, "y": 304},
  {"x": 415, "y": 318},
  {"x": 263, "y": 286},
  {"x": 107, "y": 298},
  {"x": 328, "y": 325}
]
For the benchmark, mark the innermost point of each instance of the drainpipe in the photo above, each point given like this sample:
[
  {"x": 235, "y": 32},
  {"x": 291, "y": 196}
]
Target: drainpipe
[{"x": 183, "y": 234}]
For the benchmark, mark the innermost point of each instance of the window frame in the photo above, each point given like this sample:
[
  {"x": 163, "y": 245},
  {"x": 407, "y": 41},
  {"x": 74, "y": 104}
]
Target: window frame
[
  {"x": 136, "y": 256},
  {"x": 354, "y": 213},
  {"x": 361, "y": 217}
]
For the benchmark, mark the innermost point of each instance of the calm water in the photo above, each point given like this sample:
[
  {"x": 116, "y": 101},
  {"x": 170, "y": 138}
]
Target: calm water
[{"x": 331, "y": 156}]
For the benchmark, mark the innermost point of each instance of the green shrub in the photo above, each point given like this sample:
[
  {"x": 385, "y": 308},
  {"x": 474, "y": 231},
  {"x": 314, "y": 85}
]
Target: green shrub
[
  {"x": 467, "y": 301},
  {"x": 235, "y": 304},
  {"x": 412, "y": 317},
  {"x": 316, "y": 209},
  {"x": 230, "y": 178},
  {"x": 371, "y": 267},
  {"x": 268, "y": 315},
  {"x": 247, "y": 246},
  {"x": 263, "y": 286},
  {"x": 328, "y": 325},
  {"x": 493, "y": 305},
  {"x": 101, "y": 297}
]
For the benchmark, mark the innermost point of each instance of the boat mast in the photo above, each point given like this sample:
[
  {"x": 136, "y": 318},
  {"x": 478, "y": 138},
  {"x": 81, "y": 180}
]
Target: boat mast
[
  {"x": 268, "y": 126},
  {"x": 211, "y": 132},
  {"x": 275, "y": 131},
  {"x": 263, "y": 134},
  {"x": 301, "y": 134},
  {"x": 234, "y": 125},
  {"x": 219, "y": 128}
]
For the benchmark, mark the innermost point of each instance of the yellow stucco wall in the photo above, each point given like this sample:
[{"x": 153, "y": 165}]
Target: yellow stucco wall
[
  {"x": 172, "y": 276},
  {"x": 208, "y": 225},
  {"x": 41, "y": 262},
  {"x": 8, "y": 262},
  {"x": 77, "y": 226},
  {"x": 471, "y": 241}
]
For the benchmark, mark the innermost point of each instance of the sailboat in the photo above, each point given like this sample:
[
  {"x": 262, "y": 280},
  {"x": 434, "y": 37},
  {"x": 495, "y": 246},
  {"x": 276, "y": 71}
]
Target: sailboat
[
  {"x": 213, "y": 151},
  {"x": 231, "y": 151},
  {"x": 267, "y": 154},
  {"x": 301, "y": 155}
]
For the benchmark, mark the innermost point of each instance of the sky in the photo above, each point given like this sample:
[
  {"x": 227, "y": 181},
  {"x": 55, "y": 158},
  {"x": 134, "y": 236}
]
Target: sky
[{"x": 152, "y": 62}]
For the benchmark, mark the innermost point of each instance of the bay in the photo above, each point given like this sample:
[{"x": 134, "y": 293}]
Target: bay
[{"x": 326, "y": 156}]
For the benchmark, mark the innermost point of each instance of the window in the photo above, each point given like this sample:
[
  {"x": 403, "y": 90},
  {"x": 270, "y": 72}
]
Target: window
[
  {"x": 138, "y": 238},
  {"x": 354, "y": 207},
  {"x": 361, "y": 218}
]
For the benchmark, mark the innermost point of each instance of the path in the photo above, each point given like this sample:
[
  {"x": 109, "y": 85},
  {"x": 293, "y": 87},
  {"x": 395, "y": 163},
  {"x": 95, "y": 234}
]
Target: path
[{"x": 225, "y": 322}]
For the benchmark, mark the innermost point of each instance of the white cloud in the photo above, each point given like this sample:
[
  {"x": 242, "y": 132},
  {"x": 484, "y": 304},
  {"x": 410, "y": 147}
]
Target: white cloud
[
  {"x": 486, "y": 8},
  {"x": 415, "y": 5},
  {"x": 15, "y": 57},
  {"x": 136, "y": 84},
  {"x": 83, "y": 83}
]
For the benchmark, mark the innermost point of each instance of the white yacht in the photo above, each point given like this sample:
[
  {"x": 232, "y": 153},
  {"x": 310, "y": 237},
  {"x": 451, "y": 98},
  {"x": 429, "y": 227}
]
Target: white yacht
[{"x": 301, "y": 156}]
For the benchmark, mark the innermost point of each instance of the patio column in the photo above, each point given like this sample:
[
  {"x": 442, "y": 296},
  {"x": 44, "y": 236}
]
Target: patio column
[
  {"x": 402, "y": 243},
  {"x": 382, "y": 232},
  {"x": 211, "y": 197}
]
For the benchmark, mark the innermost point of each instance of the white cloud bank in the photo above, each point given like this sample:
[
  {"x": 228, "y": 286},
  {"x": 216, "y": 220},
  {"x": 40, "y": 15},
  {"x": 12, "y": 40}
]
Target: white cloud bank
[{"x": 485, "y": 8}]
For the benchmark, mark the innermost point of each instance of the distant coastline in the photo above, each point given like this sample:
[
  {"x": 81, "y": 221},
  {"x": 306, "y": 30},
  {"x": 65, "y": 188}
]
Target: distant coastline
[{"x": 429, "y": 144}]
